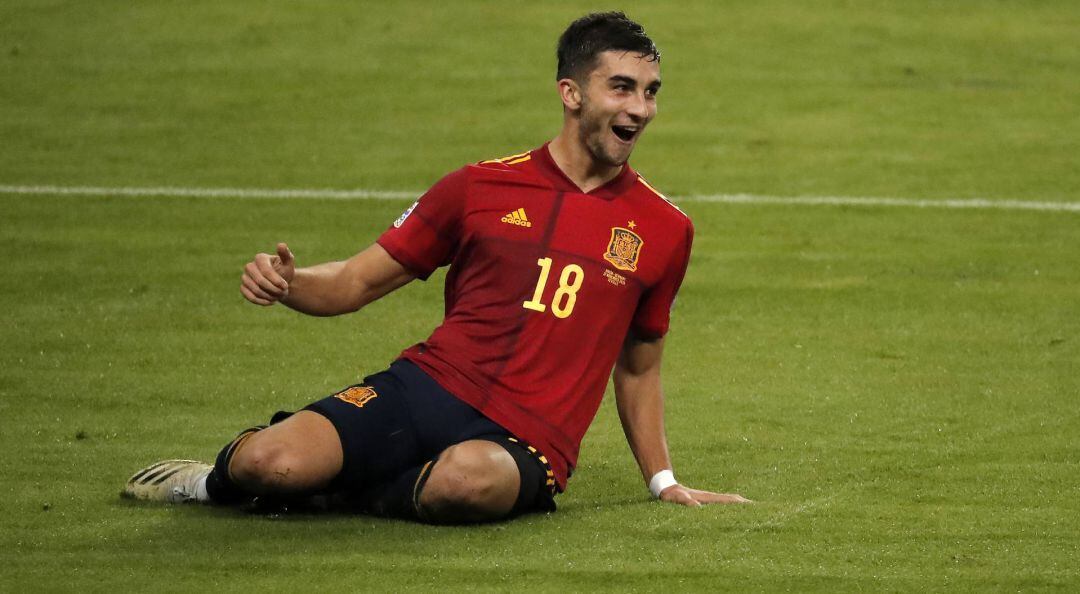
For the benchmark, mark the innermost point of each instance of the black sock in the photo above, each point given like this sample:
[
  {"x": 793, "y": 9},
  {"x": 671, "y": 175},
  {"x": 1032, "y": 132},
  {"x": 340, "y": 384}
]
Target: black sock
[
  {"x": 399, "y": 498},
  {"x": 219, "y": 485}
]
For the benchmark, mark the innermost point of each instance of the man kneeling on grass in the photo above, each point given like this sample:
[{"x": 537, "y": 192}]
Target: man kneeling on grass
[{"x": 564, "y": 265}]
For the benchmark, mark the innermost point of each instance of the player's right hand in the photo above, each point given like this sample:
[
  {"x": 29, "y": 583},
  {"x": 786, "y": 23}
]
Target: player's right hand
[
  {"x": 696, "y": 498},
  {"x": 266, "y": 278}
]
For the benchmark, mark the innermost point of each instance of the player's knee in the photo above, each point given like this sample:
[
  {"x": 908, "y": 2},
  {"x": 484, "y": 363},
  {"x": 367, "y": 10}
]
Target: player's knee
[
  {"x": 299, "y": 455},
  {"x": 474, "y": 481},
  {"x": 263, "y": 465}
]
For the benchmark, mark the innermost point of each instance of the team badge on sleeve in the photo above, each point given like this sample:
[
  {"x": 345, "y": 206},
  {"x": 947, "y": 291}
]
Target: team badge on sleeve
[
  {"x": 624, "y": 249},
  {"x": 408, "y": 211},
  {"x": 357, "y": 396}
]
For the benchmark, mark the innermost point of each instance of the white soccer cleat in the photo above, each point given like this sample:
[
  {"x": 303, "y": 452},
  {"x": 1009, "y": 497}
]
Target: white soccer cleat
[{"x": 170, "y": 481}]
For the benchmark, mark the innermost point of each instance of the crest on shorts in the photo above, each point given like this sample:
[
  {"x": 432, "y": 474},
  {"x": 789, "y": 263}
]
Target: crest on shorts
[
  {"x": 357, "y": 396},
  {"x": 624, "y": 248}
]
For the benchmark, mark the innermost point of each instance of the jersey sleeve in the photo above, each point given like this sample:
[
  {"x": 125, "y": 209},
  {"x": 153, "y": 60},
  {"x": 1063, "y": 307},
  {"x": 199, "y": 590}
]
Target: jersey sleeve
[
  {"x": 426, "y": 236},
  {"x": 653, "y": 314}
]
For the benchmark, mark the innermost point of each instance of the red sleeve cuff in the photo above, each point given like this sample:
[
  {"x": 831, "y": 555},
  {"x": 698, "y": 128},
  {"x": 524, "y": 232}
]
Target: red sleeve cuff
[{"x": 405, "y": 259}]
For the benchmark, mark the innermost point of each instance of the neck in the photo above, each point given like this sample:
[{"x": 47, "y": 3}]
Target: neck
[{"x": 578, "y": 164}]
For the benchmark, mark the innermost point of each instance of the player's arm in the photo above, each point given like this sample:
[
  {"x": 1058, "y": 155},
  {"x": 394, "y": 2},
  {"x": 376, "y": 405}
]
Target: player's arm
[
  {"x": 640, "y": 400},
  {"x": 324, "y": 289}
]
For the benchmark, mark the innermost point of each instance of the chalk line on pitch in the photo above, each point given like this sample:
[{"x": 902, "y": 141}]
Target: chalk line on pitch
[
  {"x": 172, "y": 191},
  {"x": 367, "y": 194}
]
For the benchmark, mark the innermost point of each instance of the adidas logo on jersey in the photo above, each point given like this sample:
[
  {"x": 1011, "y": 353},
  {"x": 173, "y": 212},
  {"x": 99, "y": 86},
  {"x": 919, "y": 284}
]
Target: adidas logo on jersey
[{"x": 517, "y": 218}]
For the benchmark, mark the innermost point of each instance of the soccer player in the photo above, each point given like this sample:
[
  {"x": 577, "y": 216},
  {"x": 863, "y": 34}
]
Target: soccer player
[{"x": 564, "y": 265}]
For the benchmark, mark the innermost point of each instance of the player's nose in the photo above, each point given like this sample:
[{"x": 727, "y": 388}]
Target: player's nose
[{"x": 638, "y": 108}]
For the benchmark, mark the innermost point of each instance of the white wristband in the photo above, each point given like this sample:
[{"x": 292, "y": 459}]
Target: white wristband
[{"x": 660, "y": 481}]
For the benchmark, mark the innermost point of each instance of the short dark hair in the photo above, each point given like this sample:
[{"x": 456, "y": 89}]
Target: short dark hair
[{"x": 586, "y": 38}]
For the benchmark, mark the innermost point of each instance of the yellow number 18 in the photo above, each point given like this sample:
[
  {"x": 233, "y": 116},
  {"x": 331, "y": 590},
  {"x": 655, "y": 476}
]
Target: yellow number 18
[{"x": 562, "y": 303}]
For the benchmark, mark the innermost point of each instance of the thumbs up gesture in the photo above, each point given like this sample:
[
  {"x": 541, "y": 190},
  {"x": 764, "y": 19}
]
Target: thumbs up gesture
[{"x": 266, "y": 278}]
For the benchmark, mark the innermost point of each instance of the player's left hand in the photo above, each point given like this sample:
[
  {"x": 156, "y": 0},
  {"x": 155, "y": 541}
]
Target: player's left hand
[{"x": 696, "y": 498}]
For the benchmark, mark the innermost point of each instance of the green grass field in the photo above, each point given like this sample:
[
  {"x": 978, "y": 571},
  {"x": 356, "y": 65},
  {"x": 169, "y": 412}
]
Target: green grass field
[{"x": 896, "y": 387}]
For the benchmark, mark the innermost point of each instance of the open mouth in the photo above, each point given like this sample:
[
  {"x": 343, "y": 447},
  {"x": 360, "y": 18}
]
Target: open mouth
[{"x": 625, "y": 133}]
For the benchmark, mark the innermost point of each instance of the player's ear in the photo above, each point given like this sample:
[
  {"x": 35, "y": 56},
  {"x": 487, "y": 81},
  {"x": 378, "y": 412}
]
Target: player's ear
[{"x": 570, "y": 93}]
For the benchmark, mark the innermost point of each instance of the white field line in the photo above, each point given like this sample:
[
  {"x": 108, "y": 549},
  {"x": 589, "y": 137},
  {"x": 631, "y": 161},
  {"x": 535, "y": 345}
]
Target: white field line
[
  {"x": 954, "y": 203},
  {"x": 782, "y": 518},
  {"x": 364, "y": 194},
  {"x": 210, "y": 192}
]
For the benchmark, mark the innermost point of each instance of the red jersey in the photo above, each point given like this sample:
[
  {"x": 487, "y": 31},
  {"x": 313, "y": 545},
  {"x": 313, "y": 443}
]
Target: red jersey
[{"x": 545, "y": 282}]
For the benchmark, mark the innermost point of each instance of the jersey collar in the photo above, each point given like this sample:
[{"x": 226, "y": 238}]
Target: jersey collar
[{"x": 613, "y": 188}]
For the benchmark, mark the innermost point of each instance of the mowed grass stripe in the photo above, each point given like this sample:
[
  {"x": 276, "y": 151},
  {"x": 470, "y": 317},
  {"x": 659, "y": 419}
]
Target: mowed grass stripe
[{"x": 365, "y": 194}]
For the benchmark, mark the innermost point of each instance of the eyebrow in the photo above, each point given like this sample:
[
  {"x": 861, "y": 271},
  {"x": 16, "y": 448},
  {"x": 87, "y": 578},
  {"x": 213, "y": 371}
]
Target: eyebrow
[{"x": 631, "y": 81}]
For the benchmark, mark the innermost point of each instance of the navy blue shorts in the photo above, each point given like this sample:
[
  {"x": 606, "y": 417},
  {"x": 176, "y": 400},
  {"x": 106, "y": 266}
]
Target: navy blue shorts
[{"x": 402, "y": 418}]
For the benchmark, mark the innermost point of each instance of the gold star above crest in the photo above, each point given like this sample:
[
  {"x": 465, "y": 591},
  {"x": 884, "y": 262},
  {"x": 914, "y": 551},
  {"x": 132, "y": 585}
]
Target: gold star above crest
[{"x": 631, "y": 224}]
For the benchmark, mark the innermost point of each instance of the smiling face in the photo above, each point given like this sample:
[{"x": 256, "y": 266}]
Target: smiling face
[{"x": 616, "y": 102}]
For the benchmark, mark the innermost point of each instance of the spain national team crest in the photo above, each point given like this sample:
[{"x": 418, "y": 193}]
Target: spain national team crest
[
  {"x": 624, "y": 249},
  {"x": 357, "y": 396}
]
